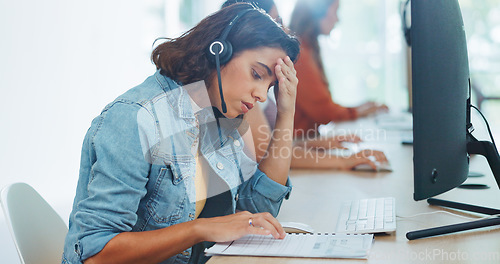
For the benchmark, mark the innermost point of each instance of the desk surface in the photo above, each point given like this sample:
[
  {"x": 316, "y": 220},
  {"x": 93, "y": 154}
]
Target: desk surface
[{"x": 317, "y": 195}]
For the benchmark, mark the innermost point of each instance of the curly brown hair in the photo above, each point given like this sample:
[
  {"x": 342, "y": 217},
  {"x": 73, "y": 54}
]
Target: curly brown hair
[{"x": 183, "y": 59}]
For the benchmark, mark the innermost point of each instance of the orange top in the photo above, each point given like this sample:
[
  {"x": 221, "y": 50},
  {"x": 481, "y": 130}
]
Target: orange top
[{"x": 314, "y": 105}]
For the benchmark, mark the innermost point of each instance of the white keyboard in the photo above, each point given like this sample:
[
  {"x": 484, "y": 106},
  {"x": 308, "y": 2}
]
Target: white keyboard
[{"x": 375, "y": 215}]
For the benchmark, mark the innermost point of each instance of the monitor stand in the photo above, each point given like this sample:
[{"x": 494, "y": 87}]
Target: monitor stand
[
  {"x": 442, "y": 230},
  {"x": 474, "y": 146}
]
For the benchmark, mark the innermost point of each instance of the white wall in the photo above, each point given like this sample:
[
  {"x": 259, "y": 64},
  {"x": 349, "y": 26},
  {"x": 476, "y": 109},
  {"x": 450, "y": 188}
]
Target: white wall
[{"x": 61, "y": 62}]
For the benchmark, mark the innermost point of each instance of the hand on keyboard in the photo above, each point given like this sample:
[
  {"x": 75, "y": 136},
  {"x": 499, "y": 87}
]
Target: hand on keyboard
[
  {"x": 384, "y": 167},
  {"x": 375, "y": 215},
  {"x": 369, "y": 159}
]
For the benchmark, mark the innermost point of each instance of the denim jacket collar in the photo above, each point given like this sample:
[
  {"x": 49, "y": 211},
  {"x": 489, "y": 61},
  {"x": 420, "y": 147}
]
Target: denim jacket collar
[{"x": 177, "y": 97}]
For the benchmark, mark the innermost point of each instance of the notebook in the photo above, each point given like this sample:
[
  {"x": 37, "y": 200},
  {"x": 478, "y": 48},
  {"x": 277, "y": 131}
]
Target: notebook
[{"x": 297, "y": 245}]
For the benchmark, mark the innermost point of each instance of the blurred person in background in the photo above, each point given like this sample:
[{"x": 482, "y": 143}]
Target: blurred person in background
[{"x": 311, "y": 18}]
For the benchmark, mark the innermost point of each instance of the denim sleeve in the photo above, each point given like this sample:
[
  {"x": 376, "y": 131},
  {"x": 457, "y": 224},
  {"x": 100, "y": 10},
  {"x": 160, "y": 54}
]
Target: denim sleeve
[
  {"x": 262, "y": 194},
  {"x": 117, "y": 180}
]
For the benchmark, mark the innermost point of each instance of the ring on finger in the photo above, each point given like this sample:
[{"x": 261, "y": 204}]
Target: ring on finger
[{"x": 250, "y": 222}]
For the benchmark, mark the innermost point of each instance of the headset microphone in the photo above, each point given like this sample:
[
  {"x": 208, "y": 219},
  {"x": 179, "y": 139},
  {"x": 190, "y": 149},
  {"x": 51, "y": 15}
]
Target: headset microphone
[
  {"x": 220, "y": 52},
  {"x": 218, "y": 48}
]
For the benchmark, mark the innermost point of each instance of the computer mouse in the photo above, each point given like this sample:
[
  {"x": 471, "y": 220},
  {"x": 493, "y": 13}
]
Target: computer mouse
[{"x": 295, "y": 227}]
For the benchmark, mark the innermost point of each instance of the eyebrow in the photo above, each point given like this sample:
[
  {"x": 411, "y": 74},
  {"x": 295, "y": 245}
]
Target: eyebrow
[{"x": 269, "y": 72}]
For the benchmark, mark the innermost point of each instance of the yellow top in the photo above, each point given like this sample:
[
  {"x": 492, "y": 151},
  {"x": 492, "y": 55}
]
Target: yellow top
[{"x": 200, "y": 183}]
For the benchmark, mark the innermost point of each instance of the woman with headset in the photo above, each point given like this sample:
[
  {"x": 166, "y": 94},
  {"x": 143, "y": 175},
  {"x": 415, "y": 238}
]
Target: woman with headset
[{"x": 163, "y": 170}]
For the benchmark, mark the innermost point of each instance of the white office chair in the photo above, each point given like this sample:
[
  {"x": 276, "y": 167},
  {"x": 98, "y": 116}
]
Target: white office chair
[{"x": 38, "y": 231}]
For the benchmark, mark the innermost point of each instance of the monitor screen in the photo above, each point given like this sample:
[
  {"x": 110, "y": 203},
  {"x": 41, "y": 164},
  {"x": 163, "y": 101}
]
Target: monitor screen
[{"x": 440, "y": 92}]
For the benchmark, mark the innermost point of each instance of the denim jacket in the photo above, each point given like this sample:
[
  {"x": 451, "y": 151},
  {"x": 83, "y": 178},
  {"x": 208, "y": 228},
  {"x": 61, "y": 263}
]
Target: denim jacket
[{"x": 137, "y": 170}]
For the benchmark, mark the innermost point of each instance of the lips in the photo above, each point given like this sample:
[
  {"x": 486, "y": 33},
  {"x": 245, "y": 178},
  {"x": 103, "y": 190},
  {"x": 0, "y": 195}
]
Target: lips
[{"x": 245, "y": 107}]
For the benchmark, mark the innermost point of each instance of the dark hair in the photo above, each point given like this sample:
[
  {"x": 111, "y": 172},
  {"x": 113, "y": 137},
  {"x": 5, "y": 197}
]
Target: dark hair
[
  {"x": 183, "y": 59},
  {"x": 306, "y": 17},
  {"x": 264, "y": 4},
  {"x": 305, "y": 23}
]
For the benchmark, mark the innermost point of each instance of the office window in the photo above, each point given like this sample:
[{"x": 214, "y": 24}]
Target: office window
[
  {"x": 482, "y": 25},
  {"x": 181, "y": 15}
]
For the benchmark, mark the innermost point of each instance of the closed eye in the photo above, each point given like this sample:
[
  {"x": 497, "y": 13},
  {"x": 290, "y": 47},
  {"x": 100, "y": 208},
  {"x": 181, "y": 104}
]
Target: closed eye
[{"x": 256, "y": 75}]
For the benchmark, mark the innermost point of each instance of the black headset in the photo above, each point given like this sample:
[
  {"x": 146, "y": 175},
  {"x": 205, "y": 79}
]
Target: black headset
[
  {"x": 220, "y": 52},
  {"x": 404, "y": 23}
]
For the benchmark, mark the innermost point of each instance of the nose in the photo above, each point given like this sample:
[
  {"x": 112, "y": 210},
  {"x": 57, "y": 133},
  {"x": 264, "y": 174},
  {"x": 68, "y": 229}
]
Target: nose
[{"x": 260, "y": 94}]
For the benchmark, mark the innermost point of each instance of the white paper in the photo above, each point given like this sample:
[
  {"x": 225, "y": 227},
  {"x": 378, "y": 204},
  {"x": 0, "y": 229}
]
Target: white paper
[{"x": 297, "y": 245}]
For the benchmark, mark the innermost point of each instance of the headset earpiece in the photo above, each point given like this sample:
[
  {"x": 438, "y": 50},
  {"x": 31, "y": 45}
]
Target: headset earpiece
[{"x": 225, "y": 53}]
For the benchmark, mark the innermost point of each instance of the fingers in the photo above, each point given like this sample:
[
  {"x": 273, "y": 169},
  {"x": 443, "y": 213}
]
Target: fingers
[
  {"x": 287, "y": 84},
  {"x": 370, "y": 108},
  {"x": 285, "y": 72},
  {"x": 368, "y": 161},
  {"x": 373, "y": 155},
  {"x": 234, "y": 226},
  {"x": 264, "y": 224},
  {"x": 374, "y": 158},
  {"x": 372, "y": 163},
  {"x": 258, "y": 231},
  {"x": 348, "y": 138},
  {"x": 379, "y": 156},
  {"x": 260, "y": 224},
  {"x": 287, "y": 66},
  {"x": 354, "y": 139}
]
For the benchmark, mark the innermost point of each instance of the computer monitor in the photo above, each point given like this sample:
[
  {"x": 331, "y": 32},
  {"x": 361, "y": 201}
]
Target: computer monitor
[
  {"x": 442, "y": 139},
  {"x": 440, "y": 80}
]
